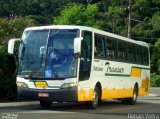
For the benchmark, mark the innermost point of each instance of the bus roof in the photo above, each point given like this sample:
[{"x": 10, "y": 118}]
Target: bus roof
[{"x": 87, "y": 28}]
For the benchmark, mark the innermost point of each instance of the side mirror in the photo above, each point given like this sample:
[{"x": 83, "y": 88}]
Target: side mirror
[
  {"x": 11, "y": 45},
  {"x": 77, "y": 45}
]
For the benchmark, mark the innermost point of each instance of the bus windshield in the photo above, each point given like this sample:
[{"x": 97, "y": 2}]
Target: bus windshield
[{"x": 48, "y": 54}]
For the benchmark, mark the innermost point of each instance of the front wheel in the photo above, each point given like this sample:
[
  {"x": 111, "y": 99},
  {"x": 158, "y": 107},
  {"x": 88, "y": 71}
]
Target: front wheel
[
  {"x": 46, "y": 104},
  {"x": 93, "y": 104}
]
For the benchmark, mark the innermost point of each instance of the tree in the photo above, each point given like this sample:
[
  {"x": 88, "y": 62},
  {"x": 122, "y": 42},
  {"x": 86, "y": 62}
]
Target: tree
[
  {"x": 7, "y": 79},
  {"x": 13, "y": 28},
  {"x": 78, "y": 14}
]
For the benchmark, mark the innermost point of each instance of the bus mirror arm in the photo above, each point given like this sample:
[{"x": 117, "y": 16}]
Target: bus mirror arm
[
  {"x": 77, "y": 45},
  {"x": 11, "y": 44},
  {"x": 77, "y": 55}
]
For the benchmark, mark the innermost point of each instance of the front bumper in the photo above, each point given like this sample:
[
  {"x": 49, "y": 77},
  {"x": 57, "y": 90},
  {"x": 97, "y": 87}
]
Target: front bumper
[{"x": 60, "y": 95}]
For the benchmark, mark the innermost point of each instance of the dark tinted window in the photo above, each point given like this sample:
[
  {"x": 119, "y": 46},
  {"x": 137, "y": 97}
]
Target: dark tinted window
[
  {"x": 138, "y": 54},
  {"x": 86, "y": 56},
  {"x": 122, "y": 50},
  {"x": 111, "y": 48},
  {"x": 145, "y": 56},
  {"x": 99, "y": 51},
  {"x": 119, "y": 50},
  {"x": 131, "y": 55}
]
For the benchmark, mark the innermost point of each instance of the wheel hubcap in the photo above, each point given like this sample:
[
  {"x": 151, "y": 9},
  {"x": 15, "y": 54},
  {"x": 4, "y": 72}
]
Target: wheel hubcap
[
  {"x": 95, "y": 98},
  {"x": 135, "y": 96}
]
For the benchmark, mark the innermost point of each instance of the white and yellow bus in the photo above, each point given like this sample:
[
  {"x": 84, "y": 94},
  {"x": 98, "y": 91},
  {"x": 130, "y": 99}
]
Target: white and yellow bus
[{"x": 66, "y": 63}]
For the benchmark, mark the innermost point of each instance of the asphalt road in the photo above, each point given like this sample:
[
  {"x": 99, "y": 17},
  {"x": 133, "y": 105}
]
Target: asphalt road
[{"x": 146, "y": 108}]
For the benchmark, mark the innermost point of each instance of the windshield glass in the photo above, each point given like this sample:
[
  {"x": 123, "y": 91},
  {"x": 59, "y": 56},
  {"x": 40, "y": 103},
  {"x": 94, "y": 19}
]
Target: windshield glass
[{"x": 48, "y": 54}]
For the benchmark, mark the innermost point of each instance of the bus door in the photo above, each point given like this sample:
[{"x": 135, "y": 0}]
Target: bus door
[{"x": 86, "y": 56}]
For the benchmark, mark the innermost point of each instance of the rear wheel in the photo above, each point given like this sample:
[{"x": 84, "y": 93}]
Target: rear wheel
[
  {"x": 93, "y": 104},
  {"x": 133, "y": 99},
  {"x": 46, "y": 104}
]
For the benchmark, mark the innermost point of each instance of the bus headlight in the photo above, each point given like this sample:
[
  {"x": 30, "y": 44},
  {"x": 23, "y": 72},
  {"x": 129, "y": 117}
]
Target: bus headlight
[
  {"x": 21, "y": 84},
  {"x": 68, "y": 85}
]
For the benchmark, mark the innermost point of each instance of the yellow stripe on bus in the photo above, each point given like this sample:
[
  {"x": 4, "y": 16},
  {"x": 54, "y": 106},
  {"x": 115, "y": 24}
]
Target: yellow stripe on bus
[
  {"x": 116, "y": 93},
  {"x": 136, "y": 72},
  {"x": 87, "y": 95}
]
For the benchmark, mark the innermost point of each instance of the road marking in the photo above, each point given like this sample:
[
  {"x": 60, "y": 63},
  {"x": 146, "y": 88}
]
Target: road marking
[
  {"x": 118, "y": 109},
  {"x": 46, "y": 111}
]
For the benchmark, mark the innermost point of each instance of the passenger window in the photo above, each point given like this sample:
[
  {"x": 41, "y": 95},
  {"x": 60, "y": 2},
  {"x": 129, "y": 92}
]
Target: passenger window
[
  {"x": 130, "y": 52},
  {"x": 122, "y": 50},
  {"x": 138, "y": 54},
  {"x": 146, "y": 58},
  {"x": 143, "y": 56},
  {"x": 134, "y": 53},
  {"x": 111, "y": 48},
  {"x": 99, "y": 51}
]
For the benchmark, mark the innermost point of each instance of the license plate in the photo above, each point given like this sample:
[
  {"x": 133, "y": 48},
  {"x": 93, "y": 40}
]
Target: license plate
[{"x": 43, "y": 94}]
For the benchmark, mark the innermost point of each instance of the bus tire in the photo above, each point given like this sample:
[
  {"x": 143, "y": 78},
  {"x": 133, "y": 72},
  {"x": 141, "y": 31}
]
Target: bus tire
[
  {"x": 46, "y": 104},
  {"x": 133, "y": 99},
  {"x": 93, "y": 104}
]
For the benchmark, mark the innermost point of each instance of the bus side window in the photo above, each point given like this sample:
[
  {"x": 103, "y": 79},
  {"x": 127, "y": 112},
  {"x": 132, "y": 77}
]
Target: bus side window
[
  {"x": 130, "y": 54},
  {"x": 99, "y": 47},
  {"x": 111, "y": 48},
  {"x": 143, "y": 56},
  {"x": 146, "y": 58},
  {"x": 134, "y": 53},
  {"x": 138, "y": 54},
  {"x": 114, "y": 48},
  {"x": 122, "y": 50},
  {"x": 109, "y": 51}
]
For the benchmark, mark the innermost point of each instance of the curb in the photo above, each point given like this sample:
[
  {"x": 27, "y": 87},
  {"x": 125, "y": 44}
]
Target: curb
[
  {"x": 154, "y": 88},
  {"x": 154, "y": 95},
  {"x": 15, "y": 104},
  {"x": 150, "y": 96},
  {"x": 158, "y": 95}
]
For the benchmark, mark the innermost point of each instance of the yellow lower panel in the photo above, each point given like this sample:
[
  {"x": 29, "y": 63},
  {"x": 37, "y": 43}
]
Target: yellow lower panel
[
  {"x": 142, "y": 92},
  {"x": 85, "y": 95},
  {"x": 144, "y": 89},
  {"x": 116, "y": 93}
]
